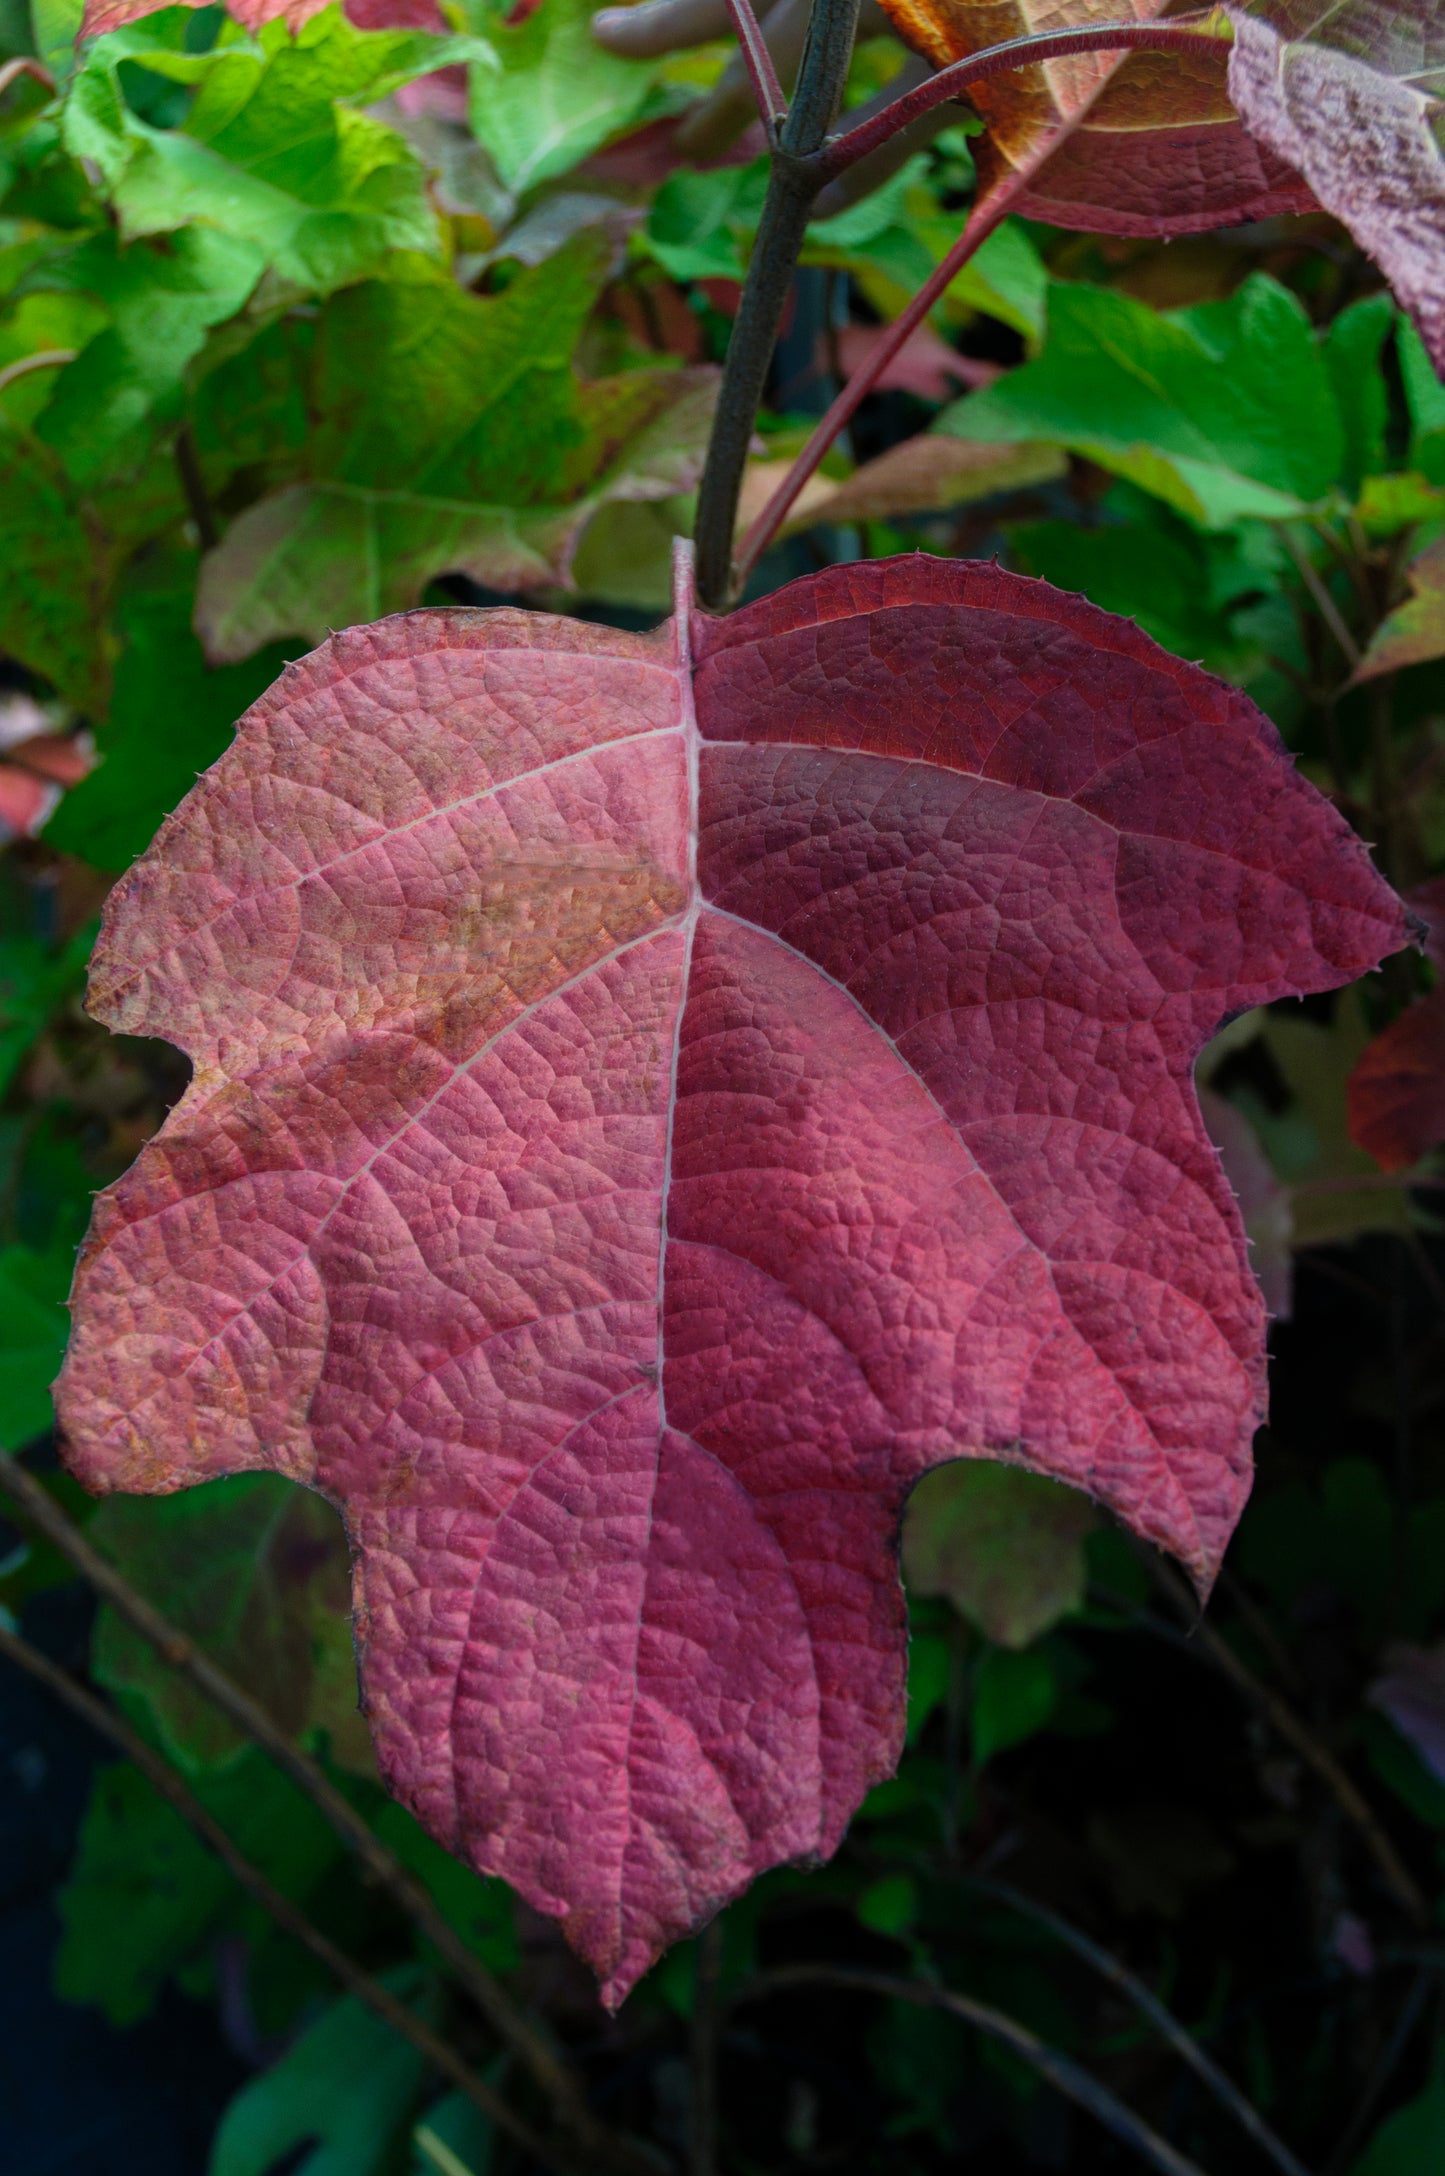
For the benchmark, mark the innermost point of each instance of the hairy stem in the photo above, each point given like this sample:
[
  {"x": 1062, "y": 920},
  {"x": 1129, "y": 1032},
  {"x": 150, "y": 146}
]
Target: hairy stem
[
  {"x": 171, "y": 1786},
  {"x": 381, "y": 1865},
  {"x": 1164, "y": 2022},
  {"x": 1065, "y": 2075},
  {"x": 793, "y": 185}
]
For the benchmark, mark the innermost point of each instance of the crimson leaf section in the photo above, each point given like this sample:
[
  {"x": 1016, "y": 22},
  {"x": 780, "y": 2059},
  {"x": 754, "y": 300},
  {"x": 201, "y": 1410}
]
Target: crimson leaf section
[{"x": 644, "y": 1116}]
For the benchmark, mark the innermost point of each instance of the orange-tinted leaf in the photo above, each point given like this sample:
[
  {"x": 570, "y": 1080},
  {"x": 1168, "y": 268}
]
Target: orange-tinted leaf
[
  {"x": 1147, "y": 143},
  {"x": 1414, "y": 633}
]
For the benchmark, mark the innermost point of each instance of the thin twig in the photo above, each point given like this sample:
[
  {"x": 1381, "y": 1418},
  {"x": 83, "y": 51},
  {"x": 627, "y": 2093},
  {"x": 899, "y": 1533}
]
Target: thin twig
[
  {"x": 1065, "y": 2075},
  {"x": 380, "y": 1863},
  {"x": 1324, "y": 603},
  {"x": 193, "y": 484},
  {"x": 1297, "y": 1733},
  {"x": 793, "y": 184},
  {"x": 25, "y": 65},
  {"x": 1384, "y": 2070},
  {"x": 981, "y": 224},
  {"x": 1165, "y": 2023},
  {"x": 841, "y": 152},
  {"x": 762, "y": 75},
  {"x": 170, "y": 1785},
  {"x": 43, "y": 359}
]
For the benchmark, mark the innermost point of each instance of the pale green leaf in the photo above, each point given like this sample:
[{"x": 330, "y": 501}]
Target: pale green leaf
[{"x": 1224, "y": 411}]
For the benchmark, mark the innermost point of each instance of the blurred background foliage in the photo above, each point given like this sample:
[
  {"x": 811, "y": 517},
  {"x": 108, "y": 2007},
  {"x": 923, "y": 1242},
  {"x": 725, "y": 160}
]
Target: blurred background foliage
[{"x": 297, "y": 331}]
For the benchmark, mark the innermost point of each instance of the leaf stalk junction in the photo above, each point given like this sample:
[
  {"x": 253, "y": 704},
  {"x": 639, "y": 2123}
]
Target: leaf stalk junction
[{"x": 806, "y": 158}]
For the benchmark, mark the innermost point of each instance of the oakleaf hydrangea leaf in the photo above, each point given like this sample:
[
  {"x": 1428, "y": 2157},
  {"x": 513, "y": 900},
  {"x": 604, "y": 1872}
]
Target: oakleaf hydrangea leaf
[{"x": 657, "y": 1095}]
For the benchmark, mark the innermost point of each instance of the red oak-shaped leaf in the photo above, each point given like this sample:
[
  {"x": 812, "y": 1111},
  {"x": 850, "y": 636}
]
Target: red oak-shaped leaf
[
  {"x": 644, "y": 1116},
  {"x": 1349, "y": 91}
]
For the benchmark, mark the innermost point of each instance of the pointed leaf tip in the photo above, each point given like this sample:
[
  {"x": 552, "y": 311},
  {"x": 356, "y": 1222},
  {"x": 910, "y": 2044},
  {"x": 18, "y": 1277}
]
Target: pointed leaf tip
[{"x": 644, "y": 1118}]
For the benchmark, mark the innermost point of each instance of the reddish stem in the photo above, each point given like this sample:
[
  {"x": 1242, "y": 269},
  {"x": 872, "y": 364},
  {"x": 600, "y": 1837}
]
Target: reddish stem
[
  {"x": 980, "y": 225},
  {"x": 844, "y": 151},
  {"x": 25, "y": 66},
  {"x": 758, "y": 61}
]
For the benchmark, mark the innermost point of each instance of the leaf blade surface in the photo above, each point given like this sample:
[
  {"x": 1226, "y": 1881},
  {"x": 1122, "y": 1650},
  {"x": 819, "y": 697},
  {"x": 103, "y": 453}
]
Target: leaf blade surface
[{"x": 644, "y": 1117}]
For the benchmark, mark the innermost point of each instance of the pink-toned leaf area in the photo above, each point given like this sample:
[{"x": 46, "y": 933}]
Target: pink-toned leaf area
[{"x": 646, "y": 1113}]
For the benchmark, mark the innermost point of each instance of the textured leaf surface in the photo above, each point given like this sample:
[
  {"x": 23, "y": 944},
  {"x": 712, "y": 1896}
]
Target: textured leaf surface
[
  {"x": 446, "y": 431},
  {"x": 1144, "y": 143},
  {"x": 274, "y": 153},
  {"x": 630, "y": 1143},
  {"x": 1349, "y": 92}
]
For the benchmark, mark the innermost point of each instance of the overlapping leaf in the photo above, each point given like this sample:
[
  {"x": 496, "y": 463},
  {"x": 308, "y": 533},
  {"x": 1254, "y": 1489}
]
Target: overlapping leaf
[
  {"x": 1349, "y": 91},
  {"x": 644, "y": 1116},
  {"x": 446, "y": 432},
  {"x": 1139, "y": 144},
  {"x": 272, "y": 150}
]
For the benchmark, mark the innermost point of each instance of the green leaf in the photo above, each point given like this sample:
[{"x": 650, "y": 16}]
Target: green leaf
[
  {"x": 171, "y": 716},
  {"x": 40, "y": 324},
  {"x": 448, "y": 433},
  {"x": 162, "y": 301},
  {"x": 1004, "y": 1546},
  {"x": 701, "y": 225},
  {"x": 555, "y": 95},
  {"x": 36, "y": 980},
  {"x": 1014, "y": 1695},
  {"x": 1335, "y": 1188},
  {"x": 349, "y": 2084},
  {"x": 1425, "y": 398},
  {"x": 1411, "y": 2142},
  {"x": 1352, "y": 347},
  {"x": 58, "y": 573},
  {"x": 273, "y": 153},
  {"x": 1224, "y": 410},
  {"x": 892, "y": 240},
  {"x": 478, "y": 1906},
  {"x": 144, "y": 1894},
  {"x": 256, "y": 1571},
  {"x": 33, "y": 1329}
]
